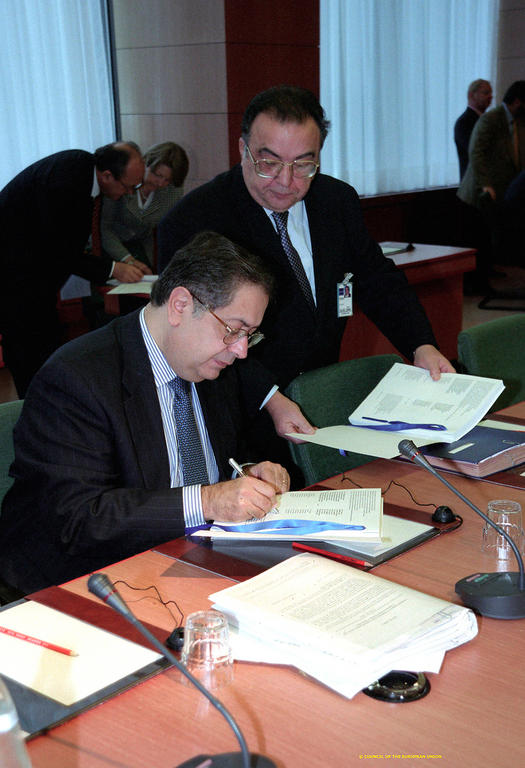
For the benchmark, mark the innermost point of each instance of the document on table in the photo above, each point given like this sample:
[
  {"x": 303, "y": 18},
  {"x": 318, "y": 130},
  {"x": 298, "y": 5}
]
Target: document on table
[
  {"x": 340, "y": 625},
  {"x": 102, "y": 657},
  {"x": 409, "y": 396},
  {"x": 360, "y": 510},
  {"x": 143, "y": 286}
]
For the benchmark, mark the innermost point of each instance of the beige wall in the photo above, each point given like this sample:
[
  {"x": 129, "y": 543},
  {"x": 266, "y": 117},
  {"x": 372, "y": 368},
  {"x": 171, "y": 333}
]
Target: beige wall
[
  {"x": 511, "y": 45},
  {"x": 171, "y": 66}
]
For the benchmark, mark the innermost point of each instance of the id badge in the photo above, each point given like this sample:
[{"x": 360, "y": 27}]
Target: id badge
[{"x": 344, "y": 297}]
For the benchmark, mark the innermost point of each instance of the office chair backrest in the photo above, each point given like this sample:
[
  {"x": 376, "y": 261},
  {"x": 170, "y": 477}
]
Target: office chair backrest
[
  {"x": 9, "y": 413},
  {"x": 327, "y": 396},
  {"x": 496, "y": 349}
]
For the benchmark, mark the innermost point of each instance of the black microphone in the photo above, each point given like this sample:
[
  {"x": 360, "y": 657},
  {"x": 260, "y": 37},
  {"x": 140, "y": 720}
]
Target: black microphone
[
  {"x": 100, "y": 585},
  {"x": 500, "y": 595}
]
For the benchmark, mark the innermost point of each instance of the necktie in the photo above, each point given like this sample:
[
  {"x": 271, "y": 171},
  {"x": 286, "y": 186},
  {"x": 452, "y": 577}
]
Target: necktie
[
  {"x": 96, "y": 246},
  {"x": 189, "y": 443},
  {"x": 296, "y": 264}
]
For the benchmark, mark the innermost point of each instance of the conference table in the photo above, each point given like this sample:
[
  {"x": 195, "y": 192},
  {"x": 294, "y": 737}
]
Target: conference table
[{"x": 472, "y": 715}]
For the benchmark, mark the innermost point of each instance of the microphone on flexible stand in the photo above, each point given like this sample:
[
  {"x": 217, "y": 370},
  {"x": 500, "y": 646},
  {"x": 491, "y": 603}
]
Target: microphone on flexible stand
[
  {"x": 500, "y": 595},
  {"x": 100, "y": 585}
]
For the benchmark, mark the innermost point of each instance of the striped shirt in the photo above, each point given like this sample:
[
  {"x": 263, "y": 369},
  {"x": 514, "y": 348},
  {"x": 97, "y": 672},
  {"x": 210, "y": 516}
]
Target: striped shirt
[{"x": 162, "y": 374}]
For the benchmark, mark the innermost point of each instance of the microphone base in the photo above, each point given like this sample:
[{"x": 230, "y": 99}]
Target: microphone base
[
  {"x": 229, "y": 760},
  {"x": 496, "y": 595}
]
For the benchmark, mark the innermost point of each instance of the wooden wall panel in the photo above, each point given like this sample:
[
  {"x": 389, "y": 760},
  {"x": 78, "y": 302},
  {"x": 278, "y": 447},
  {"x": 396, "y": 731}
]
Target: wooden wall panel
[{"x": 268, "y": 42}]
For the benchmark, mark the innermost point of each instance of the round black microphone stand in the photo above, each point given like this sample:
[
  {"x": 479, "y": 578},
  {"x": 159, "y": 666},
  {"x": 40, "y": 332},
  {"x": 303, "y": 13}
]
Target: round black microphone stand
[{"x": 499, "y": 595}]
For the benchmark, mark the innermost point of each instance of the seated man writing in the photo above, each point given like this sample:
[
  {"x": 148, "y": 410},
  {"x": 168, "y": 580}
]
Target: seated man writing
[{"x": 126, "y": 432}]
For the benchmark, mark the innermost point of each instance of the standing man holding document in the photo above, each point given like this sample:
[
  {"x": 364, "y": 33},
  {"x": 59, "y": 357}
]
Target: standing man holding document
[
  {"x": 46, "y": 217},
  {"x": 126, "y": 432},
  {"x": 308, "y": 229}
]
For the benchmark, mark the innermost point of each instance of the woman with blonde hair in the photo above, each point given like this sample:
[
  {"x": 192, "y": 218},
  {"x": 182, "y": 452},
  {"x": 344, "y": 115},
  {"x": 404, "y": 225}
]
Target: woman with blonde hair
[{"x": 128, "y": 225}]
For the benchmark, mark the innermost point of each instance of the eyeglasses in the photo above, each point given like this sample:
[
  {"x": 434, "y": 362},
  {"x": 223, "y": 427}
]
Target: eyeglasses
[
  {"x": 270, "y": 169},
  {"x": 130, "y": 188},
  {"x": 233, "y": 335}
]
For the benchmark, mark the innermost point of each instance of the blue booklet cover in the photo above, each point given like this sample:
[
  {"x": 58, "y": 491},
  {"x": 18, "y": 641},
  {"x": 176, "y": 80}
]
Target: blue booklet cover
[{"x": 480, "y": 452}]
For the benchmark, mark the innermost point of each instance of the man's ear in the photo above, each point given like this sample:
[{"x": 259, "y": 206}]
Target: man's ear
[
  {"x": 180, "y": 305},
  {"x": 241, "y": 146}
]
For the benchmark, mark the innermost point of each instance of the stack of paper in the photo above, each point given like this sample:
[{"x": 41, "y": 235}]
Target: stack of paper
[
  {"x": 346, "y": 515},
  {"x": 340, "y": 625}
]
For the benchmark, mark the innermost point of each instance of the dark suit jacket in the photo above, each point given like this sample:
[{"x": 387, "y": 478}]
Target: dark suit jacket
[
  {"x": 298, "y": 339},
  {"x": 45, "y": 220},
  {"x": 91, "y": 470},
  {"x": 462, "y": 131},
  {"x": 491, "y": 158}
]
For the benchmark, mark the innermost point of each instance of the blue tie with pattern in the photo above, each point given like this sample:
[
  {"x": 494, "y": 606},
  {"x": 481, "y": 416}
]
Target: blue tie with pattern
[
  {"x": 281, "y": 219},
  {"x": 189, "y": 443}
]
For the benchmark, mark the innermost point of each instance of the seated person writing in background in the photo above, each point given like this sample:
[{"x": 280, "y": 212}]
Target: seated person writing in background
[
  {"x": 126, "y": 432},
  {"x": 308, "y": 229},
  {"x": 128, "y": 224}
]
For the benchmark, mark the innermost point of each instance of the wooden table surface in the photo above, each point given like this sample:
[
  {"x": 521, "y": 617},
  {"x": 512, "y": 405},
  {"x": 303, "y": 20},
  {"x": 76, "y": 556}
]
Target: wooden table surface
[{"x": 473, "y": 715}]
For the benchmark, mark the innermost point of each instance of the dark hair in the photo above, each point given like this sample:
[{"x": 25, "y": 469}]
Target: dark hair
[
  {"x": 287, "y": 103},
  {"x": 515, "y": 91},
  {"x": 115, "y": 157},
  {"x": 212, "y": 268},
  {"x": 170, "y": 154}
]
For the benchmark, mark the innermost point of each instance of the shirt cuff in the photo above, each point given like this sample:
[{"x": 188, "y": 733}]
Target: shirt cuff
[
  {"x": 111, "y": 270},
  {"x": 270, "y": 394},
  {"x": 192, "y": 506}
]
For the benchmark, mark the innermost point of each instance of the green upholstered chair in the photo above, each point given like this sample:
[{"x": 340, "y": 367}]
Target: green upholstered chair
[
  {"x": 496, "y": 349},
  {"x": 327, "y": 396},
  {"x": 9, "y": 413}
]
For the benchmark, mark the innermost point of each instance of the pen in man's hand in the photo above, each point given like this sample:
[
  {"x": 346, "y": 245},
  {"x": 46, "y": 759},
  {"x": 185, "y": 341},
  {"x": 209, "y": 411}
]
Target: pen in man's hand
[
  {"x": 237, "y": 467},
  {"x": 240, "y": 471}
]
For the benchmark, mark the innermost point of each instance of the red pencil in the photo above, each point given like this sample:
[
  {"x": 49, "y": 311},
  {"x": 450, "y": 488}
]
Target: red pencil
[
  {"x": 36, "y": 641},
  {"x": 333, "y": 555}
]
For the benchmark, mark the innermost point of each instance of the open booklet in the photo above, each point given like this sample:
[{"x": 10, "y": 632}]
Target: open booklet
[
  {"x": 407, "y": 403},
  {"x": 344, "y": 627},
  {"x": 347, "y": 515}
]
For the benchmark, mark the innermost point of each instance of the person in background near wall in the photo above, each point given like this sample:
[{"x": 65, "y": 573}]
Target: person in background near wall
[
  {"x": 46, "y": 217},
  {"x": 128, "y": 225},
  {"x": 474, "y": 229},
  {"x": 479, "y": 97},
  {"x": 496, "y": 156}
]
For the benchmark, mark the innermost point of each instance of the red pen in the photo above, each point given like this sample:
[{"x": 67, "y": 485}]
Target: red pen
[
  {"x": 334, "y": 555},
  {"x": 36, "y": 641}
]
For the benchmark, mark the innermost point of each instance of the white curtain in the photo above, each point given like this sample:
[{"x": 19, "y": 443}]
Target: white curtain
[
  {"x": 394, "y": 78},
  {"x": 55, "y": 87}
]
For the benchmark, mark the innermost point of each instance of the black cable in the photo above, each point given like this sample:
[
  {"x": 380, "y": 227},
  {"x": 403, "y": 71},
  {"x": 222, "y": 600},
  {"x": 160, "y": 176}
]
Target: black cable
[
  {"x": 458, "y": 521},
  {"x": 165, "y": 603}
]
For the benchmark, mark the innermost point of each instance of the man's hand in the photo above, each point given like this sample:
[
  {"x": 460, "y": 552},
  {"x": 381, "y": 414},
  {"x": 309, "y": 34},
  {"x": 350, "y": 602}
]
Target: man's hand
[
  {"x": 127, "y": 273},
  {"x": 287, "y": 417},
  {"x": 245, "y": 497},
  {"x": 139, "y": 264},
  {"x": 427, "y": 356},
  {"x": 491, "y": 191}
]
